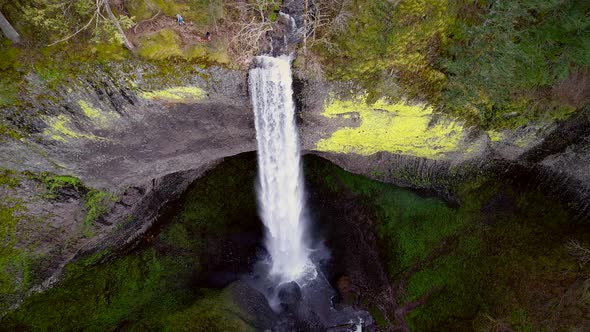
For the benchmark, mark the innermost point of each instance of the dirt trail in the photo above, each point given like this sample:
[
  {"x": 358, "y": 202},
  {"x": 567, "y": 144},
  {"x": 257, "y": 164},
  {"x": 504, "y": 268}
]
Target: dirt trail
[{"x": 189, "y": 35}]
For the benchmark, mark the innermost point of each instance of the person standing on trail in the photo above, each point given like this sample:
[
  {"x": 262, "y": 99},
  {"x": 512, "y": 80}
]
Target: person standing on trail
[
  {"x": 179, "y": 19},
  {"x": 208, "y": 36}
]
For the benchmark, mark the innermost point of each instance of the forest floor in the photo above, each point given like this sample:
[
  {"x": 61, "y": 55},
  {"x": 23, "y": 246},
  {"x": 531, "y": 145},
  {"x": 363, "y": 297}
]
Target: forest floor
[{"x": 188, "y": 33}]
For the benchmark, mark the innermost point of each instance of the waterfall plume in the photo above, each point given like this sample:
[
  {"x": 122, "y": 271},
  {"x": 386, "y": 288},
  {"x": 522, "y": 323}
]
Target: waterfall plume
[{"x": 280, "y": 185}]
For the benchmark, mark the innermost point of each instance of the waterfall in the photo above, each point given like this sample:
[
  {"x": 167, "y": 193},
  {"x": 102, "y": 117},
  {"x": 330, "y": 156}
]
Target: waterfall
[{"x": 280, "y": 185}]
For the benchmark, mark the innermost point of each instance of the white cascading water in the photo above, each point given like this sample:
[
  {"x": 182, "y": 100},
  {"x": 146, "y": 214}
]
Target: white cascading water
[{"x": 280, "y": 191}]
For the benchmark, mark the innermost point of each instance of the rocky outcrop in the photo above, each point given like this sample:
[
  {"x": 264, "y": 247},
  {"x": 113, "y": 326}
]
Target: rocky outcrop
[
  {"x": 552, "y": 156},
  {"x": 112, "y": 137},
  {"x": 146, "y": 143}
]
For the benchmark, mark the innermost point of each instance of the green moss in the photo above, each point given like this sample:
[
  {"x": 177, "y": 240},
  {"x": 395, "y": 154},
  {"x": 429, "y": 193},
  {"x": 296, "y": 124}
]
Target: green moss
[
  {"x": 153, "y": 288},
  {"x": 8, "y": 55},
  {"x": 480, "y": 263},
  {"x": 418, "y": 226},
  {"x": 179, "y": 236},
  {"x": 215, "y": 312},
  {"x": 459, "y": 282},
  {"x": 207, "y": 208},
  {"x": 377, "y": 316},
  {"x": 519, "y": 319},
  {"x": 198, "y": 51},
  {"x": 9, "y": 178},
  {"x": 55, "y": 67},
  {"x": 162, "y": 45},
  {"x": 397, "y": 128},
  {"x": 177, "y": 94},
  {"x": 389, "y": 38},
  {"x": 5, "y": 131},
  {"x": 89, "y": 261},
  {"x": 8, "y": 92},
  {"x": 410, "y": 225},
  {"x": 97, "y": 203},
  {"x": 50, "y": 74},
  {"x": 212, "y": 52},
  {"x": 135, "y": 288},
  {"x": 525, "y": 140},
  {"x": 141, "y": 10},
  {"x": 10, "y": 73},
  {"x": 14, "y": 262},
  {"x": 54, "y": 183},
  {"x": 108, "y": 52},
  {"x": 167, "y": 44}
]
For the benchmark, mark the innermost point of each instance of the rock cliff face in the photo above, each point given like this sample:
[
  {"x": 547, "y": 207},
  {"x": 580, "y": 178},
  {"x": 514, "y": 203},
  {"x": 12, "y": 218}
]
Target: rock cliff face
[
  {"x": 113, "y": 135},
  {"x": 146, "y": 144}
]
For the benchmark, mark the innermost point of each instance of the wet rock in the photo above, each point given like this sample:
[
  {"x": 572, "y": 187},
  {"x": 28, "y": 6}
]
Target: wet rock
[
  {"x": 254, "y": 304},
  {"x": 500, "y": 205},
  {"x": 348, "y": 291},
  {"x": 289, "y": 295}
]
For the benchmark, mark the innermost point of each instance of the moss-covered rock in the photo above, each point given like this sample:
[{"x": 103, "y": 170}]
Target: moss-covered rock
[
  {"x": 212, "y": 52},
  {"x": 178, "y": 94},
  {"x": 502, "y": 257},
  {"x": 161, "y": 45},
  {"x": 14, "y": 262},
  {"x": 166, "y": 44},
  {"x": 157, "y": 286},
  {"x": 397, "y": 128},
  {"x": 61, "y": 129}
]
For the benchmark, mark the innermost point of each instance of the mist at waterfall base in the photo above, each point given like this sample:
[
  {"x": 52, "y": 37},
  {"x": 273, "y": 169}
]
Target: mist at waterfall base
[{"x": 290, "y": 275}]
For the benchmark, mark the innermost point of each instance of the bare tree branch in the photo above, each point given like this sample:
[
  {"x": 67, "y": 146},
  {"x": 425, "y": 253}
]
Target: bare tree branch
[
  {"x": 8, "y": 30},
  {"x": 96, "y": 17},
  {"x": 146, "y": 21},
  {"x": 75, "y": 33},
  {"x": 118, "y": 26},
  {"x": 250, "y": 28}
]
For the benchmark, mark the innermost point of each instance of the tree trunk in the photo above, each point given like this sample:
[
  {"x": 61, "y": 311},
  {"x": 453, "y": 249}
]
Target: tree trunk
[
  {"x": 8, "y": 30},
  {"x": 118, "y": 26}
]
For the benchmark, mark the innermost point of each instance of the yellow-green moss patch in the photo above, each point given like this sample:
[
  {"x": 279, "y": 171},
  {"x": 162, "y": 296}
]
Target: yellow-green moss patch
[
  {"x": 495, "y": 136},
  {"x": 161, "y": 45},
  {"x": 176, "y": 95},
  {"x": 215, "y": 52},
  {"x": 167, "y": 44},
  {"x": 526, "y": 140},
  {"x": 59, "y": 129},
  {"x": 95, "y": 114},
  {"x": 398, "y": 128}
]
